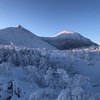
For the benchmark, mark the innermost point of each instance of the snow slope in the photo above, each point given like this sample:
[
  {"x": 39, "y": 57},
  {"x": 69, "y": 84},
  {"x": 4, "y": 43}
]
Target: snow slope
[
  {"x": 19, "y": 36},
  {"x": 68, "y": 40}
]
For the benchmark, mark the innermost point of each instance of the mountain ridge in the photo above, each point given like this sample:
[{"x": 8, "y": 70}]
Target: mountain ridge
[
  {"x": 64, "y": 40},
  {"x": 69, "y": 40},
  {"x": 20, "y": 36}
]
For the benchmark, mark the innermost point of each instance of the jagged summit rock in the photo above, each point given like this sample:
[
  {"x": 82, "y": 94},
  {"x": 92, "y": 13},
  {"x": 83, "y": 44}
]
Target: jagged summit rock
[{"x": 19, "y": 26}]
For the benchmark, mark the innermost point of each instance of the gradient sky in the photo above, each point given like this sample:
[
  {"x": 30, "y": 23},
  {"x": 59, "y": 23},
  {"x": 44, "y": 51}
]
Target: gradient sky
[{"x": 49, "y": 17}]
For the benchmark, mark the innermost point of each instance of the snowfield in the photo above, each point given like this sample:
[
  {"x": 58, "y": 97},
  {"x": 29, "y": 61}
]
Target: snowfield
[{"x": 42, "y": 74}]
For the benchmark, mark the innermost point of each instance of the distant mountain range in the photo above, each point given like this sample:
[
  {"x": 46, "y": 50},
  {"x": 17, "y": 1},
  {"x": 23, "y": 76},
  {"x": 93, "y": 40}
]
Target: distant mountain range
[{"x": 20, "y": 36}]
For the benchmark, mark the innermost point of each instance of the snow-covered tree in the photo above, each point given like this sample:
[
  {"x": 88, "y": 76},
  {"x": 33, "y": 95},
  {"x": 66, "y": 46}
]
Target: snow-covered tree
[
  {"x": 7, "y": 69},
  {"x": 49, "y": 76},
  {"x": 63, "y": 74},
  {"x": 33, "y": 73},
  {"x": 64, "y": 95},
  {"x": 77, "y": 93},
  {"x": 10, "y": 90},
  {"x": 37, "y": 95}
]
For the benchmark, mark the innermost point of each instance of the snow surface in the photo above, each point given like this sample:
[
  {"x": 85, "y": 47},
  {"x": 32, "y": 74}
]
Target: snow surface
[
  {"x": 67, "y": 32},
  {"x": 32, "y": 69},
  {"x": 68, "y": 40},
  {"x": 19, "y": 36},
  {"x": 70, "y": 35},
  {"x": 40, "y": 74}
]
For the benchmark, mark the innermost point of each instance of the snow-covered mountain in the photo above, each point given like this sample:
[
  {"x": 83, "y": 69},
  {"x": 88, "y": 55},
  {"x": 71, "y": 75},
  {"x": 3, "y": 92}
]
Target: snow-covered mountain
[
  {"x": 68, "y": 40},
  {"x": 20, "y": 36}
]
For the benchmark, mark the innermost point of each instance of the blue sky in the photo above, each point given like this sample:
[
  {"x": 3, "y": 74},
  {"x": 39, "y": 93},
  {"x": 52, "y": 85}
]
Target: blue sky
[{"x": 49, "y": 17}]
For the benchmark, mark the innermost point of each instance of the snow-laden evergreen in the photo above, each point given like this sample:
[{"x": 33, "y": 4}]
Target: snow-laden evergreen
[{"x": 41, "y": 74}]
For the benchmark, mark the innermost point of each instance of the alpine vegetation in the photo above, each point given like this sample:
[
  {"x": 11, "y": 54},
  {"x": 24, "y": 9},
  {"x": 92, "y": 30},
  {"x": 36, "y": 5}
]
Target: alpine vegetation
[{"x": 42, "y": 74}]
